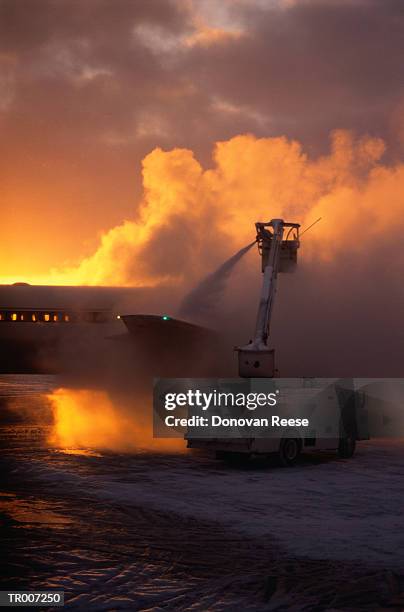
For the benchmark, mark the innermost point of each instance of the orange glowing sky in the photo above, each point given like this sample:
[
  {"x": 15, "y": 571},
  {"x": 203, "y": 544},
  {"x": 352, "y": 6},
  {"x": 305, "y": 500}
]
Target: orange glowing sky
[{"x": 86, "y": 95}]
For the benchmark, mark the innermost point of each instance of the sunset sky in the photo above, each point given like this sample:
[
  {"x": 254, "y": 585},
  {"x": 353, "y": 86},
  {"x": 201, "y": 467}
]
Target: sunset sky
[{"x": 89, "y": 88}]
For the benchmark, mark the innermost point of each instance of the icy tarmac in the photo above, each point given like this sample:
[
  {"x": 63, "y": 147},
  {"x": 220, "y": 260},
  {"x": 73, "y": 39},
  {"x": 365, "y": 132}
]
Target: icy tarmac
[{"x": 151, "y": 532}]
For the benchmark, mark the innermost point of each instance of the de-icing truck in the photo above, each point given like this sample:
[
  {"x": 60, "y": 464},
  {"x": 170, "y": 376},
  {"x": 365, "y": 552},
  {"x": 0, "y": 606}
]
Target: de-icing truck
[{"x": 278, "y": 244}]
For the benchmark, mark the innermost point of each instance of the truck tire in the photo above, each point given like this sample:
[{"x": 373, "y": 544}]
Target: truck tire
[
  {"x": 346, "y": 448},
  {"x": 289, "y": 451}
]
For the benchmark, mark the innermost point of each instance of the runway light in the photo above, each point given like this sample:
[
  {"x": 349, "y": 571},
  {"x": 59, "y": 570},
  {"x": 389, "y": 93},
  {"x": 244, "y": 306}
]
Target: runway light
[{"x": 165, "y": 318}]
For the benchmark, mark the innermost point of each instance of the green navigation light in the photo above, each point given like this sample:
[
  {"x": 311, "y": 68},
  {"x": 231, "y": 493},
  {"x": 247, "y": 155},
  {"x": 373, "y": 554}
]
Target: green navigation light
[{"x": 165, "y": 318}]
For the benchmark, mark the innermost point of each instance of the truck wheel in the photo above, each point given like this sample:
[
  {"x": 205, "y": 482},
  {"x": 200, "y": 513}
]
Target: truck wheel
[
  {"x": 289, "y": 451},
  {"x": 346, "y": 447}
]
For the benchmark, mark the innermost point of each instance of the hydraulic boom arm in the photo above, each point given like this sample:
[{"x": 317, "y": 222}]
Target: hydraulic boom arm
[{"x": 278, "y": 253}]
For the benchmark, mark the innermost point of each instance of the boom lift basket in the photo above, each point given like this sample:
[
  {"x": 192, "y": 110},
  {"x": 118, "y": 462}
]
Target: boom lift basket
[{"x": 288, "y": 252}]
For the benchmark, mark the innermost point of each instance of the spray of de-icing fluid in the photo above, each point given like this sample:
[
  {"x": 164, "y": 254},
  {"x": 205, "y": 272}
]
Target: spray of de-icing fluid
[{"x": 201, "y": 299}]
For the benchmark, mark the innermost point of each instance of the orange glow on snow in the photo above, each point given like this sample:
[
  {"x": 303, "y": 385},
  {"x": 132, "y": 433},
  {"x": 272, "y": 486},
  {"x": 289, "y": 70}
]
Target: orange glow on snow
[{"x": 89, "y": 419}]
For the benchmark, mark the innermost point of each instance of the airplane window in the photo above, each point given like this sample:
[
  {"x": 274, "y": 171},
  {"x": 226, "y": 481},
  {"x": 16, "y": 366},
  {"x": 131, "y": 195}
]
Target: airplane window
[
  {"x": 33, "y": 317},
  {"x": 55, "y": 317},
  {"x": 66, "y": 318},
  {"x": 14, "y": 316},
  {"x": 22, "y": 317},
  {"x": 46, "y": 317}
]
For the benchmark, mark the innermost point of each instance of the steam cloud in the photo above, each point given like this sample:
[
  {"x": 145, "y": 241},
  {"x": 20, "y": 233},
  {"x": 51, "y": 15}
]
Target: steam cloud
[{"x": 190, "y": 219}]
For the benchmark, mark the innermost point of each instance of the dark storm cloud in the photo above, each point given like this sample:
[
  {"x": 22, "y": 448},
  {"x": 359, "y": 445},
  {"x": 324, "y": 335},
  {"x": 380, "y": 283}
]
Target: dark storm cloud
[
  {"x": 121, "y": 72},
  {"x": 313, "y": 66},
  {"x": 26, "y": 25},
  {"x": 82, "y": 61}
]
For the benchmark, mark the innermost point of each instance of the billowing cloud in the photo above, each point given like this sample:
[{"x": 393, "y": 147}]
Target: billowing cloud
[{"x": 190, "y": 217}]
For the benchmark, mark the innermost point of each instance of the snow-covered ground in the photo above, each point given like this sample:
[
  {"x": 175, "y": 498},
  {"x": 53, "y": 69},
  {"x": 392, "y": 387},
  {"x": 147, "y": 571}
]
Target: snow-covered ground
[
  {"x": 185, "y": 532},
  {"x": 335, "y": 509},
  {"x": 324, "y": 508}
]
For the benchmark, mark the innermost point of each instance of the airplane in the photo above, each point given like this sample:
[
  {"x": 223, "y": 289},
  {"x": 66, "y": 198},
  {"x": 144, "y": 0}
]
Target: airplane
[{"x": 54, "y": 329}]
